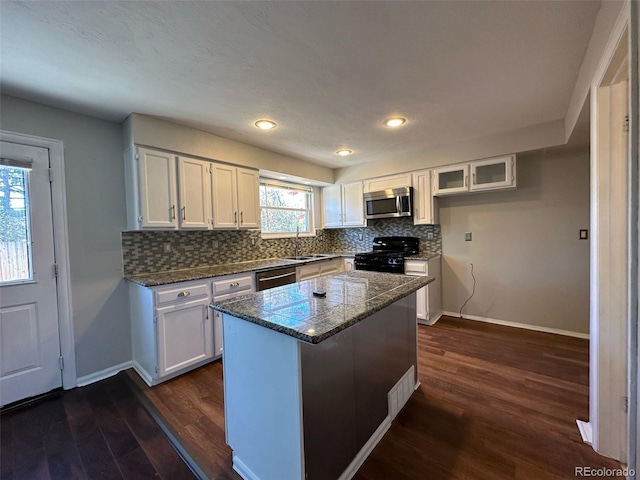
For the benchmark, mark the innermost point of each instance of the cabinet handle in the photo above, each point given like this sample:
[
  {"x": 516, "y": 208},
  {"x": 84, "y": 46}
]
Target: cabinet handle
[
  {"x": 241, "y": 218},
  {"x": 173, "y": 212},
  {"x": 234, "y": 284},
  {"x": 465, "y": 180},
  {"x": 235, "y": 218},
  {"x": 184, "y": 294},
  {"x": 474, "y": 178},
  {"x": 184, "y": 213}
]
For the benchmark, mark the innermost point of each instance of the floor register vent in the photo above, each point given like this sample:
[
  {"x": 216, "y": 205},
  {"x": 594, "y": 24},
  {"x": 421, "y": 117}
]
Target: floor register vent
[{"x": 401, "y": 391}]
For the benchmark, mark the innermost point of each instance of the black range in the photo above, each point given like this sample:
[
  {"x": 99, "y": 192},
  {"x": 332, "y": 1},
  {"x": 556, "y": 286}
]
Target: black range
[{"x": 388, "y": 254}]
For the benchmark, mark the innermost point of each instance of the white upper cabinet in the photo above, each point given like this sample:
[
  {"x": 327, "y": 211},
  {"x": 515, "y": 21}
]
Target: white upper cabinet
[
  {"x": 451, "y": 179},
  {"x": 248, "y": 198},
  {"x": 343, "y": 205},
  {"x": 224, "y": 196},
  {"x": 353, "y": 205},
  {"x": 195, "y": 193},
  {"x": 152, "y": 201},
  {"x": 235, "y": 197},
  {"x": 390, "y": 181},
  {"x": 493, "y": 173},
  {"x": 425, "y": 207},
  {"x": 476, "y": 176}
]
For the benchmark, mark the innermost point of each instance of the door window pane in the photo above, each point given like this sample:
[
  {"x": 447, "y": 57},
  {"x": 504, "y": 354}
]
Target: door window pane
[{"x": 15, "y": 234}]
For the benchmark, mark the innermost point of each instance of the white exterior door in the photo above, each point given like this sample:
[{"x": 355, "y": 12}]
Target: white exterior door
[{"x": 29, "y": 336}]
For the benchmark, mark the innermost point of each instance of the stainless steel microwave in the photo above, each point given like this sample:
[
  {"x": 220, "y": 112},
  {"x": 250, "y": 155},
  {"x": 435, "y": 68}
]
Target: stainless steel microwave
[{"x": 396, "y": 202}]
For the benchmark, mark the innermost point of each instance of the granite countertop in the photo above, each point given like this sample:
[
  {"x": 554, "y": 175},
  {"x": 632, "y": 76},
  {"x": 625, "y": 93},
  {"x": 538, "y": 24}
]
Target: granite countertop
[
  {"x": 423, "y": 256},
  {"x": 198, "y": 273},
  {"x": 350, "y": 297}
]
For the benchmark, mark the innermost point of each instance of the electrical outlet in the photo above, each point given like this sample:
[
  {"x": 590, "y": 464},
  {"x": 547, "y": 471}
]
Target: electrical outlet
[
  {"x": 467, "y": 236},
  {"x": 253, "y": 241},
  {"x": 360, "y": 236},
  {"x": 166, "y": 247},
  {"x": 429, "y": 235},
  {"x": 214, "y": 244}
]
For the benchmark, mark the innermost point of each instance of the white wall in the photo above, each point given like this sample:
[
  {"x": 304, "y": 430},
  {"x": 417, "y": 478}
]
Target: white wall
[
  {"x": 94, "y": 174},
  {"x": 529, "y": 263}
]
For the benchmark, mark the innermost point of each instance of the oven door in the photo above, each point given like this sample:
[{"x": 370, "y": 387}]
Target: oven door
[{"x": 388, "y": 203}]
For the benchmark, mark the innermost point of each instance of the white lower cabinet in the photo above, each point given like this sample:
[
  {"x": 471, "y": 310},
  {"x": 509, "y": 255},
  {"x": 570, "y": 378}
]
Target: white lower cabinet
[
  {"x": 223, "y": 288},
  {"x": 319, "y": 268},
  {"x": 172, "y": 329},
  {"x": 429, "y": 297}
]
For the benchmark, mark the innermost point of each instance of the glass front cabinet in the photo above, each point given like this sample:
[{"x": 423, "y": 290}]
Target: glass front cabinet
[{"x": 476, "y": 176}]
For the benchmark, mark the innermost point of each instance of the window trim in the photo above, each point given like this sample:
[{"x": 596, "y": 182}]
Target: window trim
[{"x": 269, "y": 182}]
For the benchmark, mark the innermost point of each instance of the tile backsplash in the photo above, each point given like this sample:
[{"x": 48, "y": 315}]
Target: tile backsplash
[{"x": 158, "y": 251}]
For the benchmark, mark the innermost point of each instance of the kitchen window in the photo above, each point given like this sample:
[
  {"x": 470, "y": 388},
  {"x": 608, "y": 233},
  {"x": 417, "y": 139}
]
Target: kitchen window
[{"x": 284, "y": 208}]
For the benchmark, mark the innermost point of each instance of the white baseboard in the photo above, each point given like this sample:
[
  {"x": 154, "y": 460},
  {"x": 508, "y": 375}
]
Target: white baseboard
[
  {"x": 366, "y": 449},
  {"x": 102, "y": 374},
  {"x": 586, "y": 431},
  {"x": 526, "y": 326},
  {"x": 242, "y": 470}
]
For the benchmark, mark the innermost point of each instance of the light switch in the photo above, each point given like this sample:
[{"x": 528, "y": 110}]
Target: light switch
[
  {"x": 467, "y": 236},
  {"x": 584, "y": 234}
]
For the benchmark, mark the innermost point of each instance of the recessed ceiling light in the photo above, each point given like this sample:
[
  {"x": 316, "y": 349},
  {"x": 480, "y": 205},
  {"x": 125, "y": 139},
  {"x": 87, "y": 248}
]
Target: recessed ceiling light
[
  {"x": 343, "y": 152},
  {"x": 282, "y": 178},
  {"x": 394, "y": 121},
  {"x": 265, "y": 124},
  {"x": 307, "y": 183}
]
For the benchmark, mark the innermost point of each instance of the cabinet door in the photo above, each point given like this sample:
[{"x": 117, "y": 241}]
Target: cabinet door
[
  {"x": 224, "y": 194},
  {"x": 332, "y": 206},
  {"x": 493, "y": 173},
  {"x": 453, "y": 179},
  {"x": 328, "y": 267},
  {"x": 195, "y": 193},
  {"x": 352, "y": 205},
  {"x": 248, "y": 198},
  {"x": 390, "y": 181},
  {"x": 425, "y": 208},
  {"x": 349, "y": 264},
  {"x": 306, "y": 272},
  {"x": 185, "y": 335},
  {"x": 157, "y": 184},
  {"x": 422, "y": 304}
]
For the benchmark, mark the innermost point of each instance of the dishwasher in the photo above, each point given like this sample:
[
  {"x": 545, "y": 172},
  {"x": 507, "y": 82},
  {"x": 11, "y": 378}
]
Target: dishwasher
[{"x": 275, "y": 277}]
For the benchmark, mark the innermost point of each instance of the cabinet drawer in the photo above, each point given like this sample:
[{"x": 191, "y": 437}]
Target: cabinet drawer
[
  {"x": 223, "y": 286},
  {"x": 331, "y": 266},
  {"x": 181, "y": 294},
  {"x": 414, "y": 267}
]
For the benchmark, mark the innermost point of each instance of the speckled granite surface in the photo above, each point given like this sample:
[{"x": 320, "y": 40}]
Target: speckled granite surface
[
  {"x": 198, "y": 273},
  {"x": 294, "y": 310},
  {"x": 426, "y": 256}
]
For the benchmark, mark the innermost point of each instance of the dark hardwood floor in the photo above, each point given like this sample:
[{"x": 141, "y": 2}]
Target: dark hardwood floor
[
  {"x": 101, "y": 431},
  {"x": 494, "y": 403}
]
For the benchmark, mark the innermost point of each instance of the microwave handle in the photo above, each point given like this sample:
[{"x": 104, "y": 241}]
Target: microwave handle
[{"x": 398, "y": 204}]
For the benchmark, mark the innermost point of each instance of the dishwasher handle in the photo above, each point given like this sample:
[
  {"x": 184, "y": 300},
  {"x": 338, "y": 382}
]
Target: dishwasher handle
[{"x": 266, "y": 279}]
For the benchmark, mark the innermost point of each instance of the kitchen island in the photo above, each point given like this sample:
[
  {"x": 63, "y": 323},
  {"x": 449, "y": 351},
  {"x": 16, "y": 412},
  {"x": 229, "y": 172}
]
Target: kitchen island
[{"x": 311, "y": 382}]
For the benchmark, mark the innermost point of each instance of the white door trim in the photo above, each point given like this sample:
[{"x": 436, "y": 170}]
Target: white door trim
[
  {"x": 608, "y": 347},
  {"x": 61, "y": 245}
]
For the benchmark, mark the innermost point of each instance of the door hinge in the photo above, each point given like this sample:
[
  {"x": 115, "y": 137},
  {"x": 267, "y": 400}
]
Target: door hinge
[
  {"x": 155, "y": 319},
  {"x": 157, "y": 369},
  {"x": 56, "y": 270},
  {"x": 61, "y": 361},
  {"x": 140, "y": 219},
  {"x": 51, "y": 175},
  {"x": 625, "y": 404},
  {"x": 625, "y": 124}
]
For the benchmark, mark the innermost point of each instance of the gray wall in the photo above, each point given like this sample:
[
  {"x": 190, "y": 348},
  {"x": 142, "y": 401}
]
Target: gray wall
[
  {"x": 528, "y": 260},
  {"x": 94, "y": 174}
]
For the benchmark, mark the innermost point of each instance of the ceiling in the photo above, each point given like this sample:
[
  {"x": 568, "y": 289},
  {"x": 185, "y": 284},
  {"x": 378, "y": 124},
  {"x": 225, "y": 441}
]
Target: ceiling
[{"x": 327, "y": 72}]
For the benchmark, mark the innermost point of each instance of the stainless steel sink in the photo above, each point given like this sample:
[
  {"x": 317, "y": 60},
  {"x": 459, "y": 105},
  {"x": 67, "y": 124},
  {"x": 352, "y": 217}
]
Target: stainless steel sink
[{"x": 307, "y": 257}]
